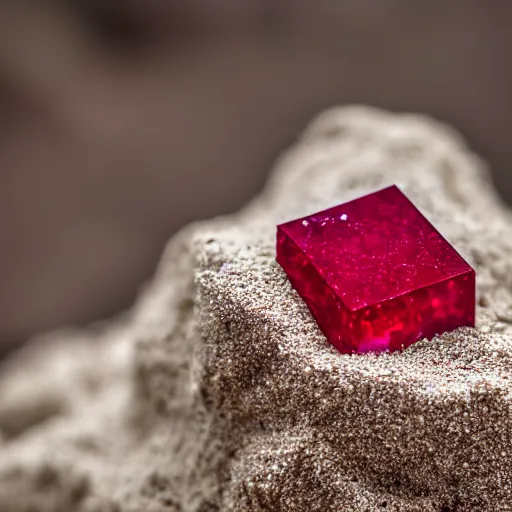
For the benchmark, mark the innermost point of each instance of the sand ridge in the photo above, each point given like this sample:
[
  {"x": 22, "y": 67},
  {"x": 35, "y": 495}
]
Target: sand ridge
[{"x": 218, "y": 391}]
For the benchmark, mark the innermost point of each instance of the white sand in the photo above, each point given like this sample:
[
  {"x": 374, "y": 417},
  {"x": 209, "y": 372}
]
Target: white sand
[{"x": 218, "y": 392}]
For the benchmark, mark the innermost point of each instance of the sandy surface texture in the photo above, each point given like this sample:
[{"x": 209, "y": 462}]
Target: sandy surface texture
[{"x": 218, "y": 392}]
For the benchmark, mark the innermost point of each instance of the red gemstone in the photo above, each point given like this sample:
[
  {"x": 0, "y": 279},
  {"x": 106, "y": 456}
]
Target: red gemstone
[{"x": 376, "y": 274}]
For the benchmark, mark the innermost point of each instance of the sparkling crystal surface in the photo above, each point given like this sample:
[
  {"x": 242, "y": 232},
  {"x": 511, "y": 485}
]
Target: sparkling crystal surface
[{"x": 376, "y": 274}]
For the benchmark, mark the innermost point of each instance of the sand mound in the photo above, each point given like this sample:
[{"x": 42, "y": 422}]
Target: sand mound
[{"x": 218, "y": 391}]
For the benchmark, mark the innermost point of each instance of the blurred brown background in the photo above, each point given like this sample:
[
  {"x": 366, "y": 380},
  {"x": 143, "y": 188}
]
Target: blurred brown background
[{"x": 122, "y": 120}]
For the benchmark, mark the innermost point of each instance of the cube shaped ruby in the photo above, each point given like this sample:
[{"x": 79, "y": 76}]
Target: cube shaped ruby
[{"x": 376, "y": 274}]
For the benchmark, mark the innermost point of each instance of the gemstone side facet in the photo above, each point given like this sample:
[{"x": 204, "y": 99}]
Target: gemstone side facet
[{"x": 376, "y": 274}]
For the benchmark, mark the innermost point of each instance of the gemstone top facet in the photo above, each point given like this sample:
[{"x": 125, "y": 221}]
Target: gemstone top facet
[{"x": 376, "y": 274}]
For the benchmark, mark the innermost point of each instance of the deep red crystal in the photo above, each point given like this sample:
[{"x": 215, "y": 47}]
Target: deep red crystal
[{"x": 376, "y": 274}]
